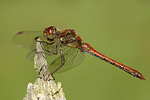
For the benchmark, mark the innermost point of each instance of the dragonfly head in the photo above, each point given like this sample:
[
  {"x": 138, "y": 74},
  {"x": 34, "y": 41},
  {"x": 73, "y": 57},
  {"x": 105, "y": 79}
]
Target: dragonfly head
[{"x": 49, "y": 33}]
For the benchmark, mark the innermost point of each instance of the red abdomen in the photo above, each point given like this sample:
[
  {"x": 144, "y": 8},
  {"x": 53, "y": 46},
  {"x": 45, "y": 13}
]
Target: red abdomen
[{"x": 87, "y": 48}]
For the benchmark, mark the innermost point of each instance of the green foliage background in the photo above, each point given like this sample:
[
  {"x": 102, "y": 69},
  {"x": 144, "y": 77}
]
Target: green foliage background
[{"x": 119, "y": 29}]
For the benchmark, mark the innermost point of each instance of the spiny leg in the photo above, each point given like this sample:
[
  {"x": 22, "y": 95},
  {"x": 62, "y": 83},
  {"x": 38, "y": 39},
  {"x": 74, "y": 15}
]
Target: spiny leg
[
  {"x": 56, "y": 50},
  {"x": 62, "y": 60},
  {"x": 55, "y": 47},
  {"x": 48, "y": 52},
  {"x": 57, "y": 91},
  {"x": 52, "y": 52},
  {"x": 46, "y": 43}
]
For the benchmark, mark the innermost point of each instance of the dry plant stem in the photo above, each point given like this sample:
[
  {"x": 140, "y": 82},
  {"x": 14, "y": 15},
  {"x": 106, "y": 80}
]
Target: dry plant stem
[{"x": 44, "y": 87}]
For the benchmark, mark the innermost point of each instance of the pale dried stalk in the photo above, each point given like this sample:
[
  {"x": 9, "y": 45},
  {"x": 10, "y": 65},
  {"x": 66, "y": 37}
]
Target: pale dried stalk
[{"x": 42, "y": 89}]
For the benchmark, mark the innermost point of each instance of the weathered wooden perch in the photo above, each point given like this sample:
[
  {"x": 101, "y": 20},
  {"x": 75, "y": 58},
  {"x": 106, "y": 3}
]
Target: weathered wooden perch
[{"x": 44, "y": 87}]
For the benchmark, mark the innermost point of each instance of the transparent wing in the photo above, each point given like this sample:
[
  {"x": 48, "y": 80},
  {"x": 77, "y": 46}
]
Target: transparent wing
[
  {"x": 26, "y": 39},
  {"x": 31, "y": 55},
  {"x": 73, "y": 57},
  {"x": 48, "y": 48}
]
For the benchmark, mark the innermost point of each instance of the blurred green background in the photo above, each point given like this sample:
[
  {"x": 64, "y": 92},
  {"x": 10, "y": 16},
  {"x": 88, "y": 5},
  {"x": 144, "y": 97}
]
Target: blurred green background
[{"x": 119, "y": 29}]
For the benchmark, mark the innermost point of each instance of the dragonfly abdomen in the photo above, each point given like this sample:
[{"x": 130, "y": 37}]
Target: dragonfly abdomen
[
  {"x": 127, "y": 69},
  {"x": 92, "y": 51}
]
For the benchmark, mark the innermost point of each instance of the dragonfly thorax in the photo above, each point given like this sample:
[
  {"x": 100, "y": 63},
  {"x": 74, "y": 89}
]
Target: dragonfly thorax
[{"x": 70, "y": 38}]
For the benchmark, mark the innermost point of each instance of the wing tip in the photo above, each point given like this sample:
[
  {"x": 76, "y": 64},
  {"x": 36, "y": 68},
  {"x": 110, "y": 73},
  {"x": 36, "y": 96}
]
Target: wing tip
[{"x": 19, "y": 33}]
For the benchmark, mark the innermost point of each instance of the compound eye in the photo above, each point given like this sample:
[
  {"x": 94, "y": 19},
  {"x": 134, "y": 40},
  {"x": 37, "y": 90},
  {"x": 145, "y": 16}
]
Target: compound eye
[
  {"x": 73, "y": 31},
  {"x": 51, "y": 29}
]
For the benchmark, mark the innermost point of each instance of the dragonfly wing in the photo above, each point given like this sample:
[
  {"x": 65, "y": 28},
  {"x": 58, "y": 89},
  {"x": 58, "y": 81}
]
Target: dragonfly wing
[
  {"x": 26, "y": 39},
  {"x": 31, "y": 55},
  {"x": 47, "y": 48},
  {"x": 73, "y": 57}
]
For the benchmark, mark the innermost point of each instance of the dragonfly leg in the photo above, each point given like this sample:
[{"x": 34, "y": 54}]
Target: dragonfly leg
[
  {"x": 52, "y": 52},
  {"x": 57, "y": 91},
  {"x": 62, "y": 60},
  {"x": 56, "y": 51},
  {"x": 40, "y": 70},
  {"x": 48, "y": 79},
  {"x": 46, "y": 43}
]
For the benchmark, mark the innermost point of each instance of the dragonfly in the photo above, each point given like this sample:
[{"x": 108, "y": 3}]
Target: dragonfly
[{"x": 64, "y": 49}]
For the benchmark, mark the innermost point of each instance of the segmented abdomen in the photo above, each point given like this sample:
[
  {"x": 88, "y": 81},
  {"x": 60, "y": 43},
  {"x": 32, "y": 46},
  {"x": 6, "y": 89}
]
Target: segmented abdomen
[{"x": 87, "y": 48}]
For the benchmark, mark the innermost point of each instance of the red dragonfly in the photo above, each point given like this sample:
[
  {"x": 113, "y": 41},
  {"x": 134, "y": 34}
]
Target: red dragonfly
[{"x": 64, "y": 49}]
